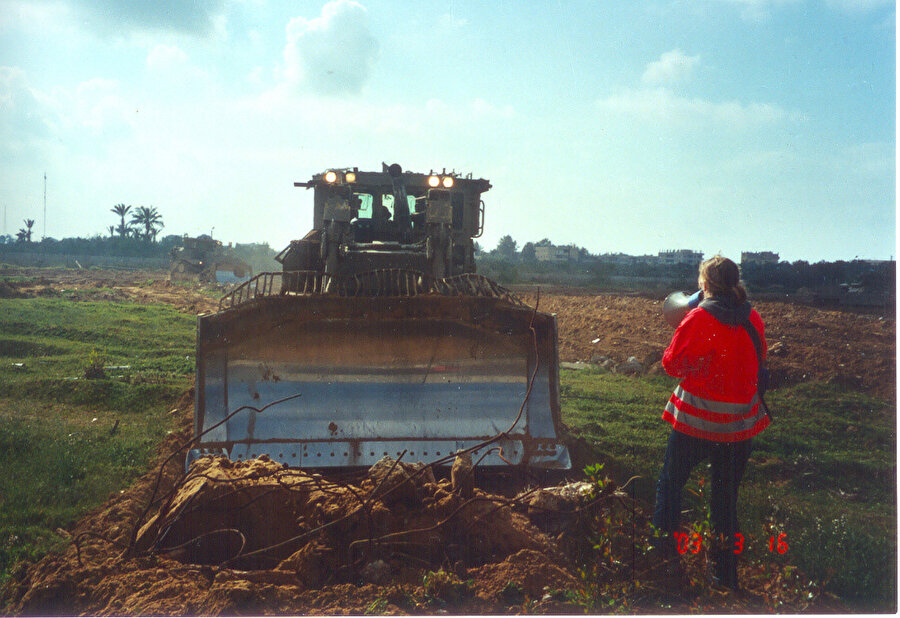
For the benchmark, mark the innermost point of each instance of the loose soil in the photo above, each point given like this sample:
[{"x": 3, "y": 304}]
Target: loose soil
[
  {"x": 139, "y": 286},
  {"x": 257, "y": 538},
  {"x": 805, "y": 343}
]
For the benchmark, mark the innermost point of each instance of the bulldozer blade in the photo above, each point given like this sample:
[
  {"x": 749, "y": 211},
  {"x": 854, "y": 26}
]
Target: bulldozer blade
[{"x": 322, "y": 381}]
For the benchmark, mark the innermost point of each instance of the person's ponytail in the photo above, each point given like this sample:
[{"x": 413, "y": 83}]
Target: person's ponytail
[{"x": 723, "y": 278}]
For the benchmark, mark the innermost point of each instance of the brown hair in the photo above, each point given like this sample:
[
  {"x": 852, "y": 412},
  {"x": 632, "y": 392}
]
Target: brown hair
[{"x": 723, "y": 278}]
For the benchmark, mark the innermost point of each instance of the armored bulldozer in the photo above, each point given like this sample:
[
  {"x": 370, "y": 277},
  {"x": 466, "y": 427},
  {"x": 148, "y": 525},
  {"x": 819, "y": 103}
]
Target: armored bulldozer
[
  {"x": 364, "y": 221},
  {"x": 378, "y": 339},
  {"x": 198, "y": 259}
]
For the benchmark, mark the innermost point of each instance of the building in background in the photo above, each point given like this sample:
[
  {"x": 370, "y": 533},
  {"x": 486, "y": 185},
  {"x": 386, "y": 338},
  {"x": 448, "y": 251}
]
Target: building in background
[
  {"x": 680, "y": 256},
  {"x": 758, "y": 257},
  {"x": 553, "y": 253}
]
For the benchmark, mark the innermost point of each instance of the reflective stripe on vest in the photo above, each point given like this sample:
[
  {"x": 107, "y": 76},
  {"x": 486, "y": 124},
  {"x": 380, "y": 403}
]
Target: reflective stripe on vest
[{"x": 714, "y": 420}]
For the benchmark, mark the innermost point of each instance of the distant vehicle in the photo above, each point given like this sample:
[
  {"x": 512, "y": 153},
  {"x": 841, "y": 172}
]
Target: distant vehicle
[{"x": 199, "y": 258}]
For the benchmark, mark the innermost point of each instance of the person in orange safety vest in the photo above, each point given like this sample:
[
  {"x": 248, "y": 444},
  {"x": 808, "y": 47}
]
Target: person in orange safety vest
[{"x": 715, "y": 410}]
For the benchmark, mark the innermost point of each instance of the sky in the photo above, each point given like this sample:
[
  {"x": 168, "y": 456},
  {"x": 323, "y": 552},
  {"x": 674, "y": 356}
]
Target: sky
[{"x": 633, "y": 127}]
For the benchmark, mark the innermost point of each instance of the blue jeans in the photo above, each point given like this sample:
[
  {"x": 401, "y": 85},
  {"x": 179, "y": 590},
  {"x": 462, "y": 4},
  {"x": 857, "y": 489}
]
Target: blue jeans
[{"x": 683, "y": 452}]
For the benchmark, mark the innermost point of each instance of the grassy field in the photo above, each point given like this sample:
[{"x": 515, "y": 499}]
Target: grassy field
[
  {"x": 823, "y": 474},
  {"x": 67, "y": 442}
]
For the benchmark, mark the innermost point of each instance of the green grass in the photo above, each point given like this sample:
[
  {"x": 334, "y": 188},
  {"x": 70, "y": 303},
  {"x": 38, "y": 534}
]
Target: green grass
[
  {"x": 824, "y": 474},
  {"x": 58, "y": 455}
]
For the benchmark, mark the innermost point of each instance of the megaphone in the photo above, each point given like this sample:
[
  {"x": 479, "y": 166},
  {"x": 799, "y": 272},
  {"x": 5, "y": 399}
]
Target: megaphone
[{"x": 677, "y": 305}]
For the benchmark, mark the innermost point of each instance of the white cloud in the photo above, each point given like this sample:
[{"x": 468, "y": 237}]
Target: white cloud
[
  {"x": 673, "y": 67},
  {"x": 165, "y": 57},
  {"x": 98, "y": 104},
  {"x": 174, "y": 77},
  {"x": 661, "y": 106},
  {"x": 25, "y": 113},
  {"x": 30, "y": 118},
  {"x": 331, "y": 54},
  {"x": 348, "y": 119}
]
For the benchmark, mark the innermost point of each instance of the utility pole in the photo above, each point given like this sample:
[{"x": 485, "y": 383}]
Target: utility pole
[{"x": 45, "y": 205}]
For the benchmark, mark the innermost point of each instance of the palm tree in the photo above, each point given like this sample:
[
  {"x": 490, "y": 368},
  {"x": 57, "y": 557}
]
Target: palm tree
[
  {"x": 150, "y": 219},
  {"x": 27, "y": 230},
  {"x": 112, "y": 230},
  {"x": 121, "y": 210}
]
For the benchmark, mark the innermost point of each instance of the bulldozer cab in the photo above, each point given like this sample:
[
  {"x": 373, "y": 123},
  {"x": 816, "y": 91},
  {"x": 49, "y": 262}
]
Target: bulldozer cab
[
  {"x": 389, "y": 219},
  {"x": 403, "y": 201}
]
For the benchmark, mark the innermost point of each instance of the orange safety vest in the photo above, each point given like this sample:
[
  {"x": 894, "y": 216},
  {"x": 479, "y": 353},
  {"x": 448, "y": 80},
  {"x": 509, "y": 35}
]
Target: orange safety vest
[
  {"x": 717, "y": 398},
  {"x": 721, "y": 421}
]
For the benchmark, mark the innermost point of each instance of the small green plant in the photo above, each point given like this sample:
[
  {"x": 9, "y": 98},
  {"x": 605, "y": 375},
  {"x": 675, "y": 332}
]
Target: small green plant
[
  {"x": 592, "y": 472},
  {"x": 376, "y": 607},
  {"x": 93, "y": 369}
]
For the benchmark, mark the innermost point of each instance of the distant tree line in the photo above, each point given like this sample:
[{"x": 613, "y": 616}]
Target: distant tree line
[
  {"x": 134, "y": 235},
  {"x": 128, "y": 246},
  {"x": 510, "y": 265},
  {"x": 801, "y": 274}
]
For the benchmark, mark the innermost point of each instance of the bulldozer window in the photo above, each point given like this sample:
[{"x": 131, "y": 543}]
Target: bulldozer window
[
  {"x": 369, "y": 204},
  {"x": 365, "y": 205},
  {"x": 368, "y": 201},
  {"x": 387, "y": 200}
]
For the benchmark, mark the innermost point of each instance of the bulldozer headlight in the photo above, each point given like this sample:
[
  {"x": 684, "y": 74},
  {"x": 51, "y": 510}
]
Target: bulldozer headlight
[
  {"x": 447, "y": 182},
  {"x": 350, "y": 177},
  {"x": 433, "y": 181},
  {"x": 331, "y": 177}
]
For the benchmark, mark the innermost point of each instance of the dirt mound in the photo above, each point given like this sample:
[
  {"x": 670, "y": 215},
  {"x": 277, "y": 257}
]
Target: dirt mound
[
  {"x": 257, "y": 537},
  {"x": 261, "y": 515}
]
